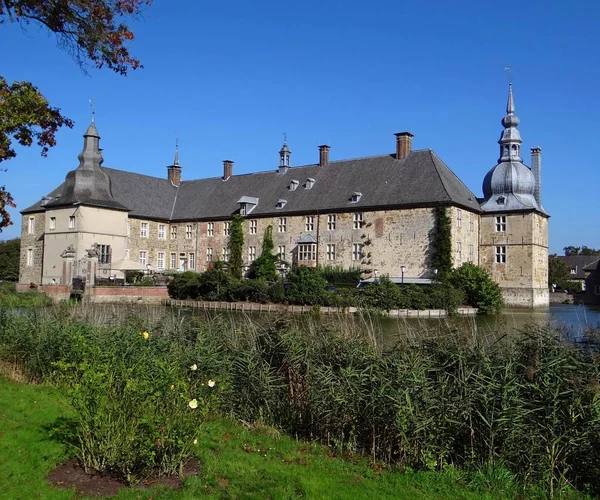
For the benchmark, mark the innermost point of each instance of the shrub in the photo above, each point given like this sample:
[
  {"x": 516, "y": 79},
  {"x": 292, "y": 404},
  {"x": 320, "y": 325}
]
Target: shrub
[
  {"x": 306, "y": 286},
  {"x": 479, "y": 289},
  {"x": 382, "y": 294},
  {"x": 216, "y": 284},
  {"x": 340, "y": 277},
  {"x": 184, "y": 286}
]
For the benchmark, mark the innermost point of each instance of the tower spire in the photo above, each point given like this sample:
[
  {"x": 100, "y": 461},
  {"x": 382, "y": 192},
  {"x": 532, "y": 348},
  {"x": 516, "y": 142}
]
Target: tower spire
[
  {"x": 284, "y": 154},
  {"x": 510, "y": 140},
  {"x": 176, "y": 159}
]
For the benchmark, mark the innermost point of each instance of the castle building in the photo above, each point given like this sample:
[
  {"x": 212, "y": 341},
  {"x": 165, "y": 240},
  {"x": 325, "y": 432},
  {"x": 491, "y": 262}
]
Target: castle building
[{"x": 376, "y": 213}]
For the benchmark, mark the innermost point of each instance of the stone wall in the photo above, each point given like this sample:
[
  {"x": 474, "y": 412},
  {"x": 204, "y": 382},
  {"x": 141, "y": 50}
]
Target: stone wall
[
  {"x": 465, "y": 236},
  {"x": 35, "y": 241},
  {"x": 126, "y": 294}
]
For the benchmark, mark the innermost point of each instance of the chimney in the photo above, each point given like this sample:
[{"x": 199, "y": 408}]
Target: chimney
[
  {"x": 536, "y": 170},
  {"x": 174, "y": 174},
  {"x": 403, "y": 144},
  {"x": 323, "y": 155},
  {"x": 227, "y": 169}
]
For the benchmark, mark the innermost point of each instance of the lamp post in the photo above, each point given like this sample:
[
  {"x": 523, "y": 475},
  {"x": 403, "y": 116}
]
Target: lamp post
[
  {"x": 435, "y": 271},
  {"x": 403, "y": 268},
  {"x": 375, "y": 273}
]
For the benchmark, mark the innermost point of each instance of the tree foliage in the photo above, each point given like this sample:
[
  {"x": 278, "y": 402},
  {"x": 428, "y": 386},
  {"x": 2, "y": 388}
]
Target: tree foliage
[
  {"x": 89, "y": 30},
  {"x": 9, "y": 259},
  {"x": 263, "y": 268},
  {"x": 478, "y": 287},
  {"x": 235, "y": 245},
  {"x": 582, "y": 250},
  {"x": 441, "y": 257},
  {"x": 558, "y": 273}
]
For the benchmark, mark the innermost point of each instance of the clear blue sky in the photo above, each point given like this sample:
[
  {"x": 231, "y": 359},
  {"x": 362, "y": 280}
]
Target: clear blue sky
[{"x": 228, "y": 78}]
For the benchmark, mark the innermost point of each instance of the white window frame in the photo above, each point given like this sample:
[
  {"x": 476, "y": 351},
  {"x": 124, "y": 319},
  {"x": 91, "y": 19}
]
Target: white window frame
[
  {"x": 160, "y": 261},
  {"x": 251, "y": 254},
  {"x": 143, "y": 257},
  {"x": 282, "y": 228},
  {"x": 71, "y": 222},
  {"x": 189, "y": 231},
  {"x": 192, "y": 260},
  {"x": 309, "y": 223},
  {"x": 52, "y": 224},
  {"x": 226, "y": 228},
  {"x": 458, "y": 218},
  {"x": 29, "y": 257},
  {"x": 225, "y": 254},
  {"x": 210, "y": 229},
  {"x": 281, "y": 252},
  {"x": 357, "y": 251},
  {"x": 500, "y": 255},
  {"x": 331, "y": 222},
  {"x": 127, "y": 254},
  {"x": 144, "y": 230},
  {"x": 173, "y": 260},
  {"x": 471, "y": 253},
  {"x": 471, "y": 223},
  {"x": 307, "y": 252},
  {"x": 162, "y": 232},
  {"x": 500, "y": 223},
  {"x": 31, "y": 226},
  {"x": 253, "y": 226},
  {"x": 331, "y": 251},
  {"x": 209, "y": 254},
  {"x": 357, "y": 220},
  {"x": 459, "y": 251},
  {"x": 173, "y": 232}
]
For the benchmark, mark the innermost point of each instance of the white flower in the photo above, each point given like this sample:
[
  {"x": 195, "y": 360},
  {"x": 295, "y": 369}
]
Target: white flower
[
  {"x": 195, "y": 441},
  {"x": 211, "y": 383},
  {"x": 193, "y": 404},
  {"x": 194, "y": 367}
]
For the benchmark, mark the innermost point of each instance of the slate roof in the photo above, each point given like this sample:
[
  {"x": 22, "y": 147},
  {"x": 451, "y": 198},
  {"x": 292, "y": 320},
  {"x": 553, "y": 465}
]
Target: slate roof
[
  {"x": 420, "y": 179},
  {"x": 580, "y": 263}
]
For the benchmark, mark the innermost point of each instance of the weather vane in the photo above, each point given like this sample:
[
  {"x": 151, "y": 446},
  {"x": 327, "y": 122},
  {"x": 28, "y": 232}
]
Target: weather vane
[
  {"x": 284, "y": 137},
  {"x": 509, "y": 69},
  {"x": 93, "y": 106}
]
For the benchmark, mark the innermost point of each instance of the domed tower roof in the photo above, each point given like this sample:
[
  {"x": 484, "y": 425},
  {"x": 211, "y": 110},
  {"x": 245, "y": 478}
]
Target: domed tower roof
[
  {"x": 88, "y": 184},
  {"x": 510, "y": 185}
]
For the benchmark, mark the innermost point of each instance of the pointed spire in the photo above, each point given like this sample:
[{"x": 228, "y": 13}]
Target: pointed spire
[
  {"x": 510, "y": 140},
  {"x": 176, "y": 159},
  {"x": 510, "y": 105},
  {"x": 284, "y": 154}
]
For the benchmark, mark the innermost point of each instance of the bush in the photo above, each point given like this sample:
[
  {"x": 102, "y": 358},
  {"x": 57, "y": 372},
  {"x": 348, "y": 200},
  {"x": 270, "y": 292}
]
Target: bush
[
  {"x": 306, "y": 286},
  {"x": 444, "y": 296},
  {"x": 340, "y": 277},
  {"x": 382, "y": 294},
  {"x": 479, "y": 289},
  {"x": 184, "y": 286}
]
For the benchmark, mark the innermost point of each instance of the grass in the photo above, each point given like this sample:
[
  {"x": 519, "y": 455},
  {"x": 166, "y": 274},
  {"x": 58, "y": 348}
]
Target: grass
[
  {"x": 238, "y": 461},
  {"x": 10, "y": 298}
]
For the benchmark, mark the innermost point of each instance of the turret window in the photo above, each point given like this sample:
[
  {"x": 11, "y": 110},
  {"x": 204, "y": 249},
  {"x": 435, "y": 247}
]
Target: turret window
[
  {"x": 31, "y": 227},
  {"x": 500, "y": 255},
  {"x": 501, "y": 224},
  {"x": 52, "y": 222},
  {"x": 72, "y": 222}
]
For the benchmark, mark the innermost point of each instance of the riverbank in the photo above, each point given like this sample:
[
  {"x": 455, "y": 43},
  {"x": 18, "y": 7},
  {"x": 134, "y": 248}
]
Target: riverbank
[{"x": 254, "y": 307}]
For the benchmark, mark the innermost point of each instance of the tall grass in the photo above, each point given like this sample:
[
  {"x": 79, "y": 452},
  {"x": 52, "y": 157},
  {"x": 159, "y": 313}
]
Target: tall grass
[{"x": 526, "y": 406}]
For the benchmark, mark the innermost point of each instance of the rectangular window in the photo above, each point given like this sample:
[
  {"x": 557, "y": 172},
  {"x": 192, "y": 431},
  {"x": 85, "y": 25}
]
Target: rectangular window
[
  {"x": 127, "y": 254},
  {"x": 331, "y": 221},
  {"x": 173, "y": 261},
  {"x": 357, "y": 251},
  {"x": 210, "y": 229},
  {"x": 31, "y": 226},
  {"x": 310, "y": 223},
  {"x": 253, "y": 226},
  {"x": 188, "y": 232},
  {"x": 357, "y": 220},
  {"x": 501, "y": 224},
  {"x": 173, "y": 232},
  {"x": 225, "y": 254},
  {"x": 30, "y": 257},
  {"x": 573, "y": 269},
  {"x": 162, "y": 234},
  {"x": 281, "y": 252},
  {"x": 143, "y": 257},
  {"x": 471, "y": 223},
  {"x": 331, "y": 251},
  {"x": 459, "y": 251},
  {"x": 500, "y": 255},
  {"x": 209, "y": 254},
  {"x": 251, "y": 254},
  {"x": 226, "y": 228},
  {"x": 72, "y": 222},
  {"x": 307, "y": 251},
  {"x": 104, "y": 254},
  {"x": 471, "y": 253},
  {"x": 160, "y": 260},
  {"x": 52, "y": 222},
  {"x": 243, "y": 209},
  {"x": 144, "y": 230},
  {"x": 459, "y": 218},
  {"x": 192, "y": 261},
  {"x": 282, "y": 224}
]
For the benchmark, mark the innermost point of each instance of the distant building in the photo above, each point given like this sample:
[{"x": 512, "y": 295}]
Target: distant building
[
  {"x": 375, "y": 213},
  {"x": 577, "y": 265},
  {"x": 592, "y": 283}
]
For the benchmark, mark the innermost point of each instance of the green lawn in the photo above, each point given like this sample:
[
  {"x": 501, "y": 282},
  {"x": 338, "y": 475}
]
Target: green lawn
[{"x": 237, "y": 461}]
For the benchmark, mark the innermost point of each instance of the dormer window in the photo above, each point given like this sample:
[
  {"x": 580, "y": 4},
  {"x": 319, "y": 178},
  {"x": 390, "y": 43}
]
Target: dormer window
[
  {"x": 310, "y": 182},
  {"x": 281, "y": 203},
  {"x": 293, "y": 185},
  {"x": 501, "y": 200},
  {"x": 247, "y": 204},
  {"x": 356, "y": 196}
]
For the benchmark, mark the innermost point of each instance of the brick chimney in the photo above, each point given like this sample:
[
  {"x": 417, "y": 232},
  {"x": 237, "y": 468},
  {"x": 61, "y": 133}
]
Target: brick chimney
[
  {"x": 323, "y": 155},
  {"x": 174, "y": 174},
  {"x": 403, "y": 144},
  {"x": 536, "y": 170},
  {"x": 227, "y": 169}
]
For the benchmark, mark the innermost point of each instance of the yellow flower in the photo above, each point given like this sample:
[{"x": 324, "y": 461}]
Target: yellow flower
[
  {"x": 172, "y": 387},
  {"x": 194, "y": 367},
  {"x": 195, "y": 441},
  {"x": 145, "y": 335},
  {"x": 211, "y": 383},
  {"x": 193, "y": 404}
]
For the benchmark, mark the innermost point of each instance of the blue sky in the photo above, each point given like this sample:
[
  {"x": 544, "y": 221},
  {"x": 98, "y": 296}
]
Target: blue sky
[{"x": 229, "y": 78}]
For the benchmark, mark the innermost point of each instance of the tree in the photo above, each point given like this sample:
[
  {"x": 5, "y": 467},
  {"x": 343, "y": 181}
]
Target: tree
[
  {"x": 478, "y": 287},
  {"x": 235, "y": 246},
  {"x": 441, "y": 257},
  {"x": 558, "y": 273},
  {"x": 582, "y": 250},
  {"x": 9, "y": 259},
  {"x": 264, "y": 268},
  {"x": 89, "y": 30},
  {"x": 306, "y": 286}
]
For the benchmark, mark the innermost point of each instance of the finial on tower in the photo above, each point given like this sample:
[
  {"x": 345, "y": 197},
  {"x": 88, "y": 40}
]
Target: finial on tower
[
  {"x": 176, "y": 159},
  {"x": 93, "y": 106}
]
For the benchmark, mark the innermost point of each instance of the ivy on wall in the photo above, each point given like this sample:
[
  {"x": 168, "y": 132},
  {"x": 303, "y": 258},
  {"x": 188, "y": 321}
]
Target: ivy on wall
[
  {"x": 441, "y": 258},
  {"x": 236, "y": 245}
]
